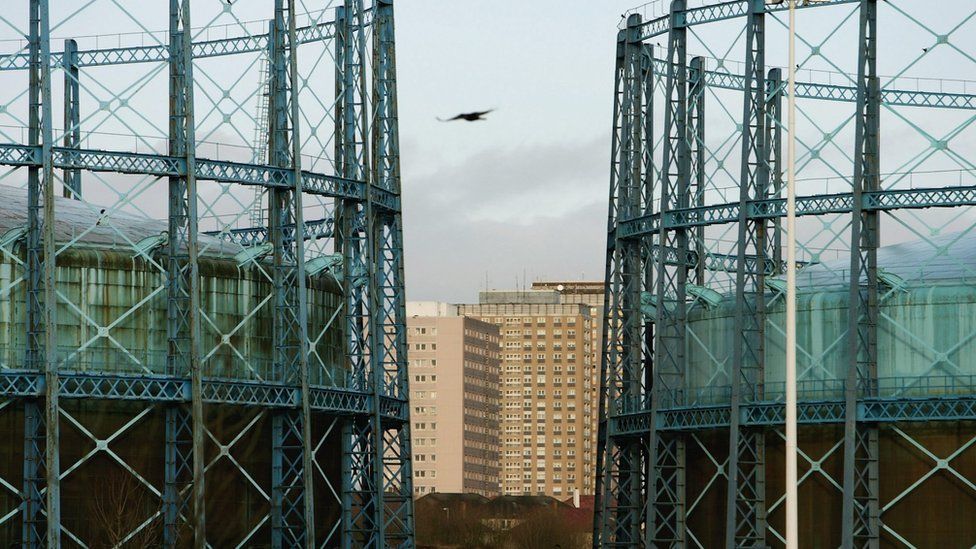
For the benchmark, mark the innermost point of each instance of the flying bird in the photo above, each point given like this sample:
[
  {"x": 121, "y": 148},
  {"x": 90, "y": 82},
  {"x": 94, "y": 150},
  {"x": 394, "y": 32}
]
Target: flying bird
[{"x": 468, "y": 116}]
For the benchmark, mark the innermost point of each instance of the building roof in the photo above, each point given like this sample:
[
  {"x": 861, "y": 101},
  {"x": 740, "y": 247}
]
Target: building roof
[
  {"x": 79, "y": 222},
  {"x": 449, "y": 498},
  {"x": 943, "y": 258},
  {"x": 513, "y": 506}
]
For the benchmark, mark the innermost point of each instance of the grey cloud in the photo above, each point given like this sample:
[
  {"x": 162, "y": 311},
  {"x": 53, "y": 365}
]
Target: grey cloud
[
  {"x": 463, "y": 222},
  {"x": 517, "y": 184}
]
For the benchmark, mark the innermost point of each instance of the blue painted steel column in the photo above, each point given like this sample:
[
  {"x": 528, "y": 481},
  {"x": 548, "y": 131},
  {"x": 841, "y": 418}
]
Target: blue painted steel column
[
  {"x": 33, "y": 506},
  {"x": 696, "y": 143},
  {"x": 746, "y": 503},
  {"x": 289, "y": 501},
  {"x": 353, "y": 437},
  {"x": 184, "y": 432},
  {"x": 621, "y": 463},
  {"x": 178, "y": 473},
  {"x": 666, "y": 485},
  {"x": 861, "y": 513},
  {"x": 775, "y": 90},
  {"x": 72, "y": 116},
  {"x": 361, "y": 498},
  {"x": 34, "y": 421},
  {"x": 393, "y": 455},
  {"x": 41, "y": 351},
  {"x": 304, "y": 430}
]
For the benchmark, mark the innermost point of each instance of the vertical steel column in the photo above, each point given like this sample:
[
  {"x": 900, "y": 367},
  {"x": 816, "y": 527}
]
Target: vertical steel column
[
  {"x": 362, "y": 471},
  {"x": 41, "y": 353},
  {"x": 394, "y": 451},
  {"x": 774, "y": 151},
  {"x": 305, "y": 430},
  {"x": 649, "y": 177},
  {"x": 696, "y": 133},
  {"x": 621, "y": 466},
  {"x": 354, "y": 430},
  {"x": 746, "y": 506},
  {"x": 33, "y": 520},
  {"x": 183, "y": 296},
  {"x": 289, "y": 500},
  {"x": 52, "y": 449},
  {"x": 632, "y": 510},
  {"x": 288, "y": 520},
  {"x": 375, "y": 375},
  {"x": 666, "y": 486},
  {"x": 861, "y": 513},
  {"x": 72, "y": 116},
  {"x": 35, "y": 437},
  {"x": 178, "y": 473}
]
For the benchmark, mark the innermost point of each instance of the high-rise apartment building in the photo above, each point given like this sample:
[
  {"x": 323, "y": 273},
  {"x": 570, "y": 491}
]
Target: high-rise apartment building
[
  {"x": 454, "y": 400},
  {"x": 550, "y": 376}
]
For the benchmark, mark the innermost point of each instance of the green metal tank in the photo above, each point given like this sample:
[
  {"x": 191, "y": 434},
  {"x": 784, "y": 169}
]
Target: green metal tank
[
  {"x": 926, "y": 352},
  {"x": 113, "y": 304},
  {"x": 925, "y": 332},
  {"x": 112, "y": 317}
]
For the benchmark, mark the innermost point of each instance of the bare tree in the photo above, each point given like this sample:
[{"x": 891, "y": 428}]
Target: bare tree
[
  {"x": 464, "y": 528},
  {"x": 545, "y": 529},
  {"x": 124, "y": 513}
]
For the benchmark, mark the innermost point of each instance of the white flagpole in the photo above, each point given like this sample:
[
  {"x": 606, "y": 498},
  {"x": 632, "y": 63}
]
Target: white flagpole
[{"x": 792, "y": 537}]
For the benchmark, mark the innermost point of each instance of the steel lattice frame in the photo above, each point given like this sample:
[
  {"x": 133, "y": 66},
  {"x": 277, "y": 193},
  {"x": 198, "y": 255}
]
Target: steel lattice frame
[
  {"x": 334, "y": 157},
  {"x": 674, "y": 233}
]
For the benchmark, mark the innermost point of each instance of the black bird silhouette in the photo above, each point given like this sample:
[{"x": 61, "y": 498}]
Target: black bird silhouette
[{"x": 468, "y": 116}]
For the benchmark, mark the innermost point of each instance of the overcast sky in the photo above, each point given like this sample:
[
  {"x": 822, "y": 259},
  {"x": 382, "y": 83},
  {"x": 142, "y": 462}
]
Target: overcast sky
[
  {"x": 524, "y": 194},
  {"x": 526, "y": 190}
]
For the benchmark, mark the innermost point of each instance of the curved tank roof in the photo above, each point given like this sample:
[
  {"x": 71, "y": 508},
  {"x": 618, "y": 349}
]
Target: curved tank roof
[
  {"x": 944, "y": 258},
  {"x": 80, "y": 220}
]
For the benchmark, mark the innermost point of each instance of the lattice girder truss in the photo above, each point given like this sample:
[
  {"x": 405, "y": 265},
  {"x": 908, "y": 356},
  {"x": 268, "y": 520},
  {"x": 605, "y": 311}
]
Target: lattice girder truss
[
  {"x": 695, "y": 223},
  {"x": 246, "y": 110}
]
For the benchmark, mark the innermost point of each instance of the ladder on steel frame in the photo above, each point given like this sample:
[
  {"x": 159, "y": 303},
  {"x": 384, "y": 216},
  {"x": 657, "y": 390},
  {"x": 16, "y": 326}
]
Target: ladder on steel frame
[{"x": 260, "y": 141}]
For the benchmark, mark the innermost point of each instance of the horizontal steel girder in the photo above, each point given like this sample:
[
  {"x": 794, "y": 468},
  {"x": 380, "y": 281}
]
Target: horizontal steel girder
[
  {"x": 720, "y": 12},
  {"x": 207, "y": 170},
  {"x": 840, "y": 203},
  {"x": 717, "y": 261},
  {"x": 872, "y": 410},
  {"x": 159, "y": 388},
  {"x": 833, "y": 92},
  {"x": 253, "y": 236},
  {"x": 160, "y": 53}
]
